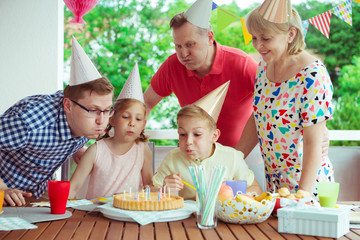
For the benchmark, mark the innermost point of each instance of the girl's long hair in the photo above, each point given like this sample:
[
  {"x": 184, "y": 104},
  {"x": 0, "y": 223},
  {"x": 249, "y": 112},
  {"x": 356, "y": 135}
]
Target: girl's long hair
[{"x": 120, "y": 106}]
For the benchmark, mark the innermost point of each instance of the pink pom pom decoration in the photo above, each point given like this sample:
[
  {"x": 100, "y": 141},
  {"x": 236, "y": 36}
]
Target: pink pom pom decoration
[{"x": 79, "y": 8}]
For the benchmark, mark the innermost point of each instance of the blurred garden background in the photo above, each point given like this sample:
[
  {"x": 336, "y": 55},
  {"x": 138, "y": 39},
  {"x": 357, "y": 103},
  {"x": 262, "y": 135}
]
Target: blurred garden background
[{"x": 119, "y": 33}]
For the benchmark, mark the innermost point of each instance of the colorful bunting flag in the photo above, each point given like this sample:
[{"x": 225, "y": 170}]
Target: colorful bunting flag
[
  {"x": 344, "y": 11},
  {"x": 305, "y": 25},
  {"x": 322, "y": 22},
  {"x": 247, "y": 35},
  {"x": 214, "y": 6},
  {"x": 224, "y": 19}
]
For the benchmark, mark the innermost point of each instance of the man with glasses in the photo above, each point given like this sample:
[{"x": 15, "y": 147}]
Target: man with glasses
[{"x": 39, "y": 133}]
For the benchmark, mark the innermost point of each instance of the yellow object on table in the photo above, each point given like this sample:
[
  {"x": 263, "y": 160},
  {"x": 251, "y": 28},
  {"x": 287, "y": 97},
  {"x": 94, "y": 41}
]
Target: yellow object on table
[{"x": 2, "y": 194}]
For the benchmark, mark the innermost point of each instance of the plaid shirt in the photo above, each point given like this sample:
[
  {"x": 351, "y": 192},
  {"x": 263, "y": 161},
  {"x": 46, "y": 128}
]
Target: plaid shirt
[{"x": 35, "y": 140}]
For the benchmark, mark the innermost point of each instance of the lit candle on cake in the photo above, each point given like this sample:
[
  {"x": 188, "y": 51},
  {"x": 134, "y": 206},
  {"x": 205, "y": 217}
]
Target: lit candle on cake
[
  {"x": 148, "y": 192},
  {"x": 130, "y": 192},
  {"x": 136, "y": 195},
  {"x": 124, "y": 194},
  {"x": 164, "y": 192},
  {"x": 160, "y": 192}
]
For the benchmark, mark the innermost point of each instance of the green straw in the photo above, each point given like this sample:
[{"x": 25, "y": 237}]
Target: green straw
[
  {"x": 208, "y": 213},
  {"x": 207, "y": 190}
]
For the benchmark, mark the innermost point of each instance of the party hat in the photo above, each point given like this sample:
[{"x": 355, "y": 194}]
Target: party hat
[
  {"x": 132, "y": 87},
  {"x": 82, "y": 69},
  {"x": 276, "y": 11},
  {"x": 199, "y": 13},
  {"x": 213, "y": 101}
]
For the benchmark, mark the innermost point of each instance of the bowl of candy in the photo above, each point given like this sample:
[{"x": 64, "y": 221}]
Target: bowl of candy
[{"x": 245, "y": 208}]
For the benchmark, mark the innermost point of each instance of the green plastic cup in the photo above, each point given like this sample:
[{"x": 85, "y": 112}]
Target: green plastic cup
[{"x": 328, "y": 193}]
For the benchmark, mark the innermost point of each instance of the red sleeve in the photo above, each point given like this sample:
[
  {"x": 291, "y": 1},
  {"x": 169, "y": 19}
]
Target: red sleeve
[
  {"x": 249, "y": 72},
  {"x": 161, "y": 81}
]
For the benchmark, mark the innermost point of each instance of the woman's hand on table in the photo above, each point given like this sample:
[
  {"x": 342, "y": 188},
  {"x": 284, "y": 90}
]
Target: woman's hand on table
[{"x": 15, "y": 197}]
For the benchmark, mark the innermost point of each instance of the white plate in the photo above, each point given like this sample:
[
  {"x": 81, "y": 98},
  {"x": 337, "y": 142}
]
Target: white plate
[
  {"x": 168, "y": 215},
  {"x": 125, "y": 218},
  {"x": 34, "y": 214},
  {"x": 354, "y": 217}
]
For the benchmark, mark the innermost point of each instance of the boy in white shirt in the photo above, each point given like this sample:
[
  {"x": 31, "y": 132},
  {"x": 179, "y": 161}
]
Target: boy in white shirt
[{"x": 197, "y": 140}]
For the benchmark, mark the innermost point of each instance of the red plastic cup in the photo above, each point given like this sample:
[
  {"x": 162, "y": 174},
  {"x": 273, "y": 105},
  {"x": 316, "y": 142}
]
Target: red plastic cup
[{"x": 58, "y": 195}]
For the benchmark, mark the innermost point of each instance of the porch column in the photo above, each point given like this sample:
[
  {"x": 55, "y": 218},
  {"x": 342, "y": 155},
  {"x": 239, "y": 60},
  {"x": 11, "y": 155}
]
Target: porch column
[{"x": 31, "y": 49}]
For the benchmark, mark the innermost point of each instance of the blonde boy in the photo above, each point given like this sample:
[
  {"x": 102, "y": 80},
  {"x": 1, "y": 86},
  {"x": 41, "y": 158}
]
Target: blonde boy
[{"x": 197, "y": 146}]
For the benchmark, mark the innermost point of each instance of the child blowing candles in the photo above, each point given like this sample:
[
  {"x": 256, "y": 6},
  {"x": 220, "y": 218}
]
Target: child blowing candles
[
  {"x": 123, "y": 161},
  {"x": 197, "y": 139}
]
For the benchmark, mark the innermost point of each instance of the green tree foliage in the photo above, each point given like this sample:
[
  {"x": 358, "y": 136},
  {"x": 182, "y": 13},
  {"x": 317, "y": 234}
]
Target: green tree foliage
[
  {"x": 343, "y": 42},
  {"x": 347, "y": 107},
  {"x": 338, "y": 52},
  {"x": 120, "y": 33}
]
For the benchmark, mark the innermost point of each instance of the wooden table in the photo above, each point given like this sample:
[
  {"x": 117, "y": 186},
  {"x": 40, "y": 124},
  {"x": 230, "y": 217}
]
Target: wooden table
[{"x": 95, "y": 226}]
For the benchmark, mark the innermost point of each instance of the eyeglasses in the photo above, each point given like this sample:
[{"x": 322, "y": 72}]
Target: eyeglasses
[{"x": 95, "y": 113}]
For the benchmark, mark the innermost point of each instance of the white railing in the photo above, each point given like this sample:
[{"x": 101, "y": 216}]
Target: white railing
[{"x": 334, "y": 135}]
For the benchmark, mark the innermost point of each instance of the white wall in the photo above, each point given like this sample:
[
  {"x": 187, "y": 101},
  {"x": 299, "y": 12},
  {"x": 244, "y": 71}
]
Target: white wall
[{"x": 31, "y": 48}]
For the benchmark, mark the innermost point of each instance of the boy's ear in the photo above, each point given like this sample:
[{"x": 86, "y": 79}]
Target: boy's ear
[
  {"x": 66, "y": 104},
  {"x": 216, "y": 135}
]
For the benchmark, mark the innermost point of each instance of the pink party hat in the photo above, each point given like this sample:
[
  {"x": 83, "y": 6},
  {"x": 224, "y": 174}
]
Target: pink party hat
[
  {"x": 82, "y": 69},
  {"x": 132, "y": 87},
  {"x": 199, "y": 13},
  {"x": 213, "y": 101},
  {"x": 276, "y": 11}
]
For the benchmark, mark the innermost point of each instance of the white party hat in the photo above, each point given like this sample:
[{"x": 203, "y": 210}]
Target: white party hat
[
  {"x": 82, "y": 69},
  {"x": 199, "y": 13},
  {"x": 132, "y": 87},
  {"x": 213, "y": 101},
  {"x": 276, "y": 11}
]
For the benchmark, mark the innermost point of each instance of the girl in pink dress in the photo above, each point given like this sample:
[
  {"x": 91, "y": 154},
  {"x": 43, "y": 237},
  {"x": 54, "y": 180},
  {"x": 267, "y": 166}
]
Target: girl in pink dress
[{"x": 123, "y": 161}]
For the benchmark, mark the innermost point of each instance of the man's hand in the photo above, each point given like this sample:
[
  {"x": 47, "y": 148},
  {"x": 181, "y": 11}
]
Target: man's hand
[
  {"x": 15, "y": 197},
  {"x": 174, "y": 182},
  {"x": 325, "y": 143},
  {"x": 78, "y": 155}
]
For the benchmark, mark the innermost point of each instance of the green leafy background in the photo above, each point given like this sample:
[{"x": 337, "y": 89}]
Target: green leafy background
[{"x": 120, "y": 33}]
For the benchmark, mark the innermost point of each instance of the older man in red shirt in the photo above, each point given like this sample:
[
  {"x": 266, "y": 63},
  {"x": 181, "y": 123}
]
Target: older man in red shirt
[{"x": 200, "y": 65}]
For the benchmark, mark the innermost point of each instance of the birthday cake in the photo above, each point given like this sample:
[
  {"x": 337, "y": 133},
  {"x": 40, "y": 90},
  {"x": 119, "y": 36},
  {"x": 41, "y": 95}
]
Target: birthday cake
[{"x": 152, "y": 203}]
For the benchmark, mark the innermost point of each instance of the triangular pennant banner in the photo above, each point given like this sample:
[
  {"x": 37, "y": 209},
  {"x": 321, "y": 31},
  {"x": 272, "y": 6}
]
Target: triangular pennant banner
[
  {"x": 224, "y": 19},
  {"x": 357, "y": 1},
  {"x": 322, "y": 22},
  {"x": 344, "y": 11},
  {"x": 214, "y": 6},
  {"x": 247, "y": 35},
  {"x": 305, "y": 25}
]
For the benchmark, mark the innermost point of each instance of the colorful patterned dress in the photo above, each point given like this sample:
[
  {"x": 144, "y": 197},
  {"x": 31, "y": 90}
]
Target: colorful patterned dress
[{"x": 281, "y": 112}]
